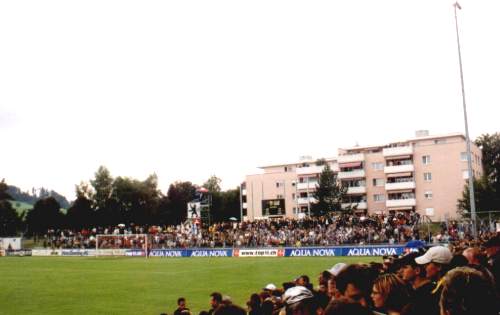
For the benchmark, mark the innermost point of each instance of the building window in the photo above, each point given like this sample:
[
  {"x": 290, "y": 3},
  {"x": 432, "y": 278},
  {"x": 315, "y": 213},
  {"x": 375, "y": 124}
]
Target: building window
[
  {"x": 463, "y": 156},
  {"x": 286, "y": 169},
  {"x": 293, "y": 196},
  {"x": 440, "y": 141},
  {"x": 428, "y": 195},
  {"x": 427, "y": 177},
  {"x": 378, "y": 182},
  {"x": 278, "y": 196},
  {"x": 279, "y": 184},
  {"x": 426, "y": 159},
  {"x": 429, "y": 212},
  {"x": 378, "y": 166},
  {"x": 378, "y": 197},
  {"x": 293, "y": 184},
  {"x": 465, "y": 174}
]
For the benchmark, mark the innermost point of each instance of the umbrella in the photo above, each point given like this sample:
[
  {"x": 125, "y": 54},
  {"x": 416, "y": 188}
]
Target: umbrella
[
  {"x": 121, "y": 225},
  {"x": 233, "y": 219}
]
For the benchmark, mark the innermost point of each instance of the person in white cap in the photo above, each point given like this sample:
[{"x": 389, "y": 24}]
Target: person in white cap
[
  {"x": 270, "y": 287},
  {"x": 299, "y": 301},
  {"x": 436, "y": 261}
]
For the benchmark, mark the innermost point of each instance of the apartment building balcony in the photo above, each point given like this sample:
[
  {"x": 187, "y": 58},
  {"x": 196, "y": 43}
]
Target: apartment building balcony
[
  {"x": 400, "y": 186},
  {"x": 396, "y": 203},
  {"x": 356, "y": 190},
  {"x": 360, "y": 157},
  {"x": 359, "y": 205},
  {"x": 398, "y": 151},
  {"x": 399, "y": 168},
  {"x": 306, "y": 200},
  {"x": 307, "y": 186},
  {"x": 244, "y": 205},
  {"x": 352, "y": 174},
  {"x": 313, "y": 169}
]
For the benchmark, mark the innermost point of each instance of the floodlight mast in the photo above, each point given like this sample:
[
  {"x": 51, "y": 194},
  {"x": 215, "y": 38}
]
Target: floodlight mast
[{"x": 467, "y": 139}]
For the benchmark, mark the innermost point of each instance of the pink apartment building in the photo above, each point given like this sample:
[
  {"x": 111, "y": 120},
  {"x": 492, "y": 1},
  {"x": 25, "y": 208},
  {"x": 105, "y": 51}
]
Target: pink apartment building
[{"x": 426, "y": 174}]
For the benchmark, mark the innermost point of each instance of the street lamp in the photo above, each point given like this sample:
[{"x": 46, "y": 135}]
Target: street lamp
[{"x": 469, "y": 157}]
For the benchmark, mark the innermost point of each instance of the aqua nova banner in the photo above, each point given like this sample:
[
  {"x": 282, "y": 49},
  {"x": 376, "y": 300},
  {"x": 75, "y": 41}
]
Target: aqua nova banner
[
  {"x": 344, "y": 251},
  {"x": 191, "y": 253}
]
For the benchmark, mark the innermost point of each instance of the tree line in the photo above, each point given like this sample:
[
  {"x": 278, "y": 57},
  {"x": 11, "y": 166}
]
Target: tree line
[{"x": 108, "y": 201}]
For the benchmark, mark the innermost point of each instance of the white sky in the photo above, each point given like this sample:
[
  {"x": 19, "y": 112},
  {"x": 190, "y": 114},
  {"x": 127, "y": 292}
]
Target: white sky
[{"x": 188, "y": 89}]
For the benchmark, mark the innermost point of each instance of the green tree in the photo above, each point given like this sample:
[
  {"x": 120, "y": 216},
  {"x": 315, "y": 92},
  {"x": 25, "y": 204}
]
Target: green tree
[
  {"x": 487, "y": 187},
  {"x": 103, "y": 186},
  {"x": 10, "y": 221},
  {"x": 137, "y": 200},
  {"x": 46, "y": 214},
  {"x": 4, "y": 195},
  {"x": 213, "y": 184},
  {"x": 81, "y": 214},
  {"x": 329, "y": 193},
  {"x": 179, "y": 194}
]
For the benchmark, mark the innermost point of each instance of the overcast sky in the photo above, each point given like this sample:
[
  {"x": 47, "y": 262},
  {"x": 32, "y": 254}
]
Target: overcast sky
[{"x": 187, "y": 89}]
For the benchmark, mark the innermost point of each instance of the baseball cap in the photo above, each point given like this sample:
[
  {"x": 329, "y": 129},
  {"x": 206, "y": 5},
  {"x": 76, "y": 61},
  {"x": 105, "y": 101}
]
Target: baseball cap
[
  {"x": 297, "y": 294},
  {"x": 437, "y": 254},
  {"x": 408, "y": 259},
  {"x": 270, "y": 287},
  {"x": 337, "y": 268}
]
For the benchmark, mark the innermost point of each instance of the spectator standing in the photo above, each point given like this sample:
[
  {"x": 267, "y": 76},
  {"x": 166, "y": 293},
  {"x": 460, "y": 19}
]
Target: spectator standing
[
  {"x": 436, "y": 261},
  {"x": 493, "y": 254},
  {"x": 181, "y": 307},
  {"x": 467, "y": 291},
  {"x": 390, "y": 294},
  {"x": 215, "y": 301}
]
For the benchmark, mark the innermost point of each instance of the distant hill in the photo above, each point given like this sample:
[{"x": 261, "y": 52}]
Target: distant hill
[{"x": 31, "y": 197}]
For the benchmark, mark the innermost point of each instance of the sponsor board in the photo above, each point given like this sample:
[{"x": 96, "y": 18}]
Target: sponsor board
[
  {"x": 19, "y": 252},
  {"x": 210, "y": 253},
  {"x": 271, "y": 252},
  {"x": 167, "y": 253},
  {"x": 78, "y": 252},
  {"x": 46, "y": 252},
  {"x": 135, "y": 252},
  {"x": 110, "y": 252},
  {"x": 372, "y": 250},
  {"x": 313, "y": 251}
]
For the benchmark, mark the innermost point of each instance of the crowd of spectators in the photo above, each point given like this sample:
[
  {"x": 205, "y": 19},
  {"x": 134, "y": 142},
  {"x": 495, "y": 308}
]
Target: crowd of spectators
[
  {"x": 324, "y": 231},
  {"x": 433, "y": 282}
]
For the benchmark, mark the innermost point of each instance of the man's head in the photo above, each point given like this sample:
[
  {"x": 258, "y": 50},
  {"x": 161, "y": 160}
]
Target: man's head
[
  {"x": 436, "y": 259},
  {"x": 303, "y": 281},
  {"x": 492, "y": 246},
  {"x": 410, "y": 271},
  {"x": 181, "y": 303},
  {"x": 473, "y": 256},
  {"x": 355, "y": 283},
  {"x": 215, "y": 299},
  {"x": 467, "y": 291},
  {"x": 345, "y": 306},
  {"x": 299, "y": 301}
]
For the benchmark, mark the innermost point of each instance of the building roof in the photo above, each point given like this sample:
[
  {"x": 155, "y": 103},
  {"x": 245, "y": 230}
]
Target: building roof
[
  {"x": 329, "y": 159},
  {"x": 450, "y": 135}
]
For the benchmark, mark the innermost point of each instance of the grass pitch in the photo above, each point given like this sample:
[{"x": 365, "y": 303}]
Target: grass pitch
[{"x": 88, "y": 285}]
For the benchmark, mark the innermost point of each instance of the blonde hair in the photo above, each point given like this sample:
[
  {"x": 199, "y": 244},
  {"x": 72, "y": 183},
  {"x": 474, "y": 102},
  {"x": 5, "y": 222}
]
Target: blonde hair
[{"x": 393, "y": 290}]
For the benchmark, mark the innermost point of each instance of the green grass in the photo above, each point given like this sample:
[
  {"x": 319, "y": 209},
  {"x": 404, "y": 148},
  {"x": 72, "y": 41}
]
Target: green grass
[
  {"x": 88, "y": 285},
  {"x": 21, "y": 207}
]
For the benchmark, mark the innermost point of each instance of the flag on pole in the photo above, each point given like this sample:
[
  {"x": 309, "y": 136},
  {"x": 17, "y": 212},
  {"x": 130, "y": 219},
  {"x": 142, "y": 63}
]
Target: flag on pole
[{"x": 458, "y": 5}]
